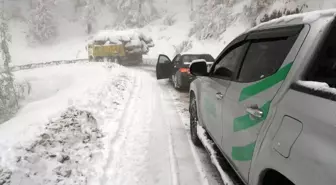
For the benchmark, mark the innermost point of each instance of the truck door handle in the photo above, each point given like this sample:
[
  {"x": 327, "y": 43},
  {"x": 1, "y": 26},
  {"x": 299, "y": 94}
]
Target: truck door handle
[
  {"x": 255, "y": 112},
  {"x": 219, "y": 95}
]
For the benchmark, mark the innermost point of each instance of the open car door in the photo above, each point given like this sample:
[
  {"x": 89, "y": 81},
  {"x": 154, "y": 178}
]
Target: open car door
[{"x": 163, "y": 67}]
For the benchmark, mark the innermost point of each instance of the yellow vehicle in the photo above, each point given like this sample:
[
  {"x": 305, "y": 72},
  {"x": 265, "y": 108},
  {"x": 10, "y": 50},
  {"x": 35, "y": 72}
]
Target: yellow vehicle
[{"x": 113, "y": 52}]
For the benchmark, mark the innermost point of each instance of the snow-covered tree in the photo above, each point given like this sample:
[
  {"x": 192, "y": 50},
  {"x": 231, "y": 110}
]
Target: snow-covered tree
[
  {"x": 256, "y": 7},
  {"x": 42, "y": 24},
  {"x": 8, "y": 98},
  {"x": 211, "y": 19},
  {"x": 89, "y": 16},
  {"x": 135, "y": 13}
]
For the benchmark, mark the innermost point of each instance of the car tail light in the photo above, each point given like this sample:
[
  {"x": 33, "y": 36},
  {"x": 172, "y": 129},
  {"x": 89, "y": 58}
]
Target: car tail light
[{"x": 184, "y": 70}]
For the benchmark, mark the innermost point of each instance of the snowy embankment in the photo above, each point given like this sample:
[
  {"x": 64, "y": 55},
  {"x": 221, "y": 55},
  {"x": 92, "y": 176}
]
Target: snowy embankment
[{"x": 60, "y": 134}]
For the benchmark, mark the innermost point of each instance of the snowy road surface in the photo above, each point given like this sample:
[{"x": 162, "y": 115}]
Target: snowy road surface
[
  {"x": 128, "y": 129},
  {"x": 152, "y": 146}
]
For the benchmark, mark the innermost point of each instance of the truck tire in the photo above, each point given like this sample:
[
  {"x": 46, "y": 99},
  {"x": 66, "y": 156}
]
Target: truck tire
[
  {"x": 140, "y": 59},
  {"x": 116, "y": 60}
]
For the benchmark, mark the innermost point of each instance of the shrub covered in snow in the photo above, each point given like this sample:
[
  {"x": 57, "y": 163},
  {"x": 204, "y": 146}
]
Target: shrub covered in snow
[
  {"x": 62, "y": 154},
  {"x": 8, "y": 98},
  {"x": 133, "y": 40},
  {"x": 11, "y": 92},
  {"x": 5, "y": 176}
]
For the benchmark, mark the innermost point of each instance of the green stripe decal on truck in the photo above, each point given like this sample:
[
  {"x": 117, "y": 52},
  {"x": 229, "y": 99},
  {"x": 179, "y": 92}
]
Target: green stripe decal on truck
[
  {"x": 245, "y": 122},
  {"x": 265, "y": 84},
  {"x": 243, "y": 153}
]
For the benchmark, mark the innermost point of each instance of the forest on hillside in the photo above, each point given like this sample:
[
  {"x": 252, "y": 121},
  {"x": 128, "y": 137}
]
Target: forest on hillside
[{"x": 210, "y": 17}]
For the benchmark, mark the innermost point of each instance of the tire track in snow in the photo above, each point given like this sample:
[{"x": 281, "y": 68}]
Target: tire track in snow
[
  {"x": 172, "y": 159},
  {"x": 122, "y": 126},
  {"x": 209, "y": 175},
  {"x": 128, "y": 162},
  {"x": 185, "y": 167},
  {"x": 152, "y": 146}
]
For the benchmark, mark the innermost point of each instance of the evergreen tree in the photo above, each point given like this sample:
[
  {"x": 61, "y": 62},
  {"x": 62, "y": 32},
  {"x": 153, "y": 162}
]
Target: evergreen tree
[
  {"x": 90, "y": 14},
  {"x": 135, "y": 13},
  {"x": 42, "y": 24},
  {"x": 211, "y": 19},
  {"x": 8, "y": 98}
]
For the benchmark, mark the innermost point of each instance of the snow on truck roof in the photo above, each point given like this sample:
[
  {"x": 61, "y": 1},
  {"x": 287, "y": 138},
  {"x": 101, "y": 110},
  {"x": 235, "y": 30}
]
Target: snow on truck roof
[
  {"x": 133, "y": 40},
  {"x": 302, "y": 18},
  {"x": 117, "y": 36}
]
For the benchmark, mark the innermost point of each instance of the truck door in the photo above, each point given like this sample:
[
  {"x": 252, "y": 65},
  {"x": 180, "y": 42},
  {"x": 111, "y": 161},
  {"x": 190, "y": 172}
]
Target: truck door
[{"x": 249, "y": 98}]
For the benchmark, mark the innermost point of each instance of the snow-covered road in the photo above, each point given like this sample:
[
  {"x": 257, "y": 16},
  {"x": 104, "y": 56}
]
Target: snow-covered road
[
  {"x": 138, "y": 135},
  {"x": 152, "y": 145}
]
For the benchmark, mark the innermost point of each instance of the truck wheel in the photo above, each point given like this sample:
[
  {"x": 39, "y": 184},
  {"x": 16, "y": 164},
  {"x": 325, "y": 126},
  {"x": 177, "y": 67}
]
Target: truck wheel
[
  {"x": 116, "y": 60},
  {"x": 98, "y": 59},
  {"x": 140, "y": 59},
  {"x": 194, "y": 123}
]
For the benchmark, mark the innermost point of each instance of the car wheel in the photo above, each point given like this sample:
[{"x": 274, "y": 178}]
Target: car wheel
[{"x": 194, "y": 123}]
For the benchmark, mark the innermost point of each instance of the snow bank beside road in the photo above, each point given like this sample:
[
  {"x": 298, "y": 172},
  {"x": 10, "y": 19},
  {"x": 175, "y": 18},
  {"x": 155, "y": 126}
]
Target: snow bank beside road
[
  {"x": 52, "y": 91},
  {"x": 63, "y": 136}
]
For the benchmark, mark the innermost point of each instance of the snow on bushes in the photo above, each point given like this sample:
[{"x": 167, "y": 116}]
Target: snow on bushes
[
  {"x": 63, "y": 154},
  {"x": 11, "y": 92},
  {"x": 8, "y": 97},
  {"x": 5, "y": 176},
  {"x": 133, "y": 40}
]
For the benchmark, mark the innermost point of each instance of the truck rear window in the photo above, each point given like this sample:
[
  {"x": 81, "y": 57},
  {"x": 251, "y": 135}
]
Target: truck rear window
[
  {"x": 324, "y": 67},
  {"x": 320, "y": 78}
]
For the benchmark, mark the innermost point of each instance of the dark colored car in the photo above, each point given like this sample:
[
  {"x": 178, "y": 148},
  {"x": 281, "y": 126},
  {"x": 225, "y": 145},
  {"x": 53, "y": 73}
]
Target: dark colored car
[{"x": 177, "y": 70}]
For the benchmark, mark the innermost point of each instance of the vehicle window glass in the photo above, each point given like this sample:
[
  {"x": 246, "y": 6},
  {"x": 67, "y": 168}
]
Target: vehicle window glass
[
  {"x": 207, "y": 58},
  {"x": 264, "y": 58},
  {"x": 324, "y": 68},
  {"x": 163, "y": 59},
  {"x": 226, "y": 66},
  {"x": 189, "y": 58},
  {"x": 176, "y": 58}
]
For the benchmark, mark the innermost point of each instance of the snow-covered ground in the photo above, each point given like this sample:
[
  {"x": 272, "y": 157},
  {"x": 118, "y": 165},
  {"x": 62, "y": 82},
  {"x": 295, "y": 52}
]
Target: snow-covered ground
[{"x": 101, "y": 123}]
